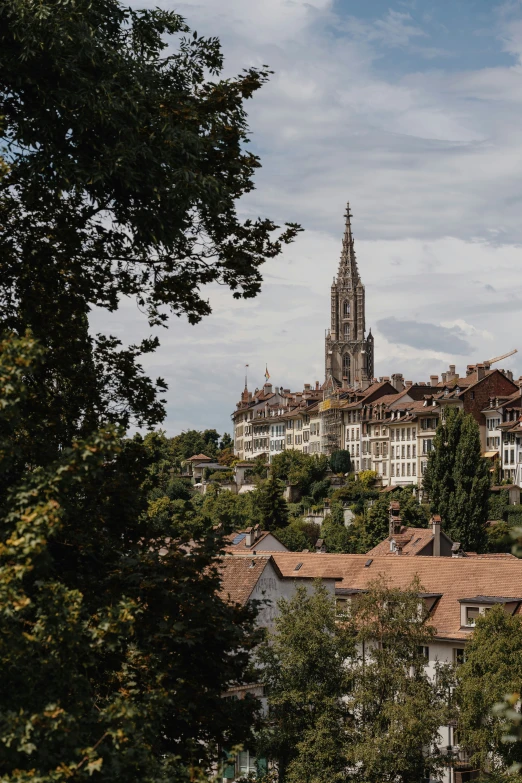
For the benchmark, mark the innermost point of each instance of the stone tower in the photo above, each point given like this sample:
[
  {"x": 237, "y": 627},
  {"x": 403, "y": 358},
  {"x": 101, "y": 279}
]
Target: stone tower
[{"x": 348, "y": 353}]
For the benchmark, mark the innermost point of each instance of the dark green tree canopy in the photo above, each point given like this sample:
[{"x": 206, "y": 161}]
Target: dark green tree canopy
[
  {"x": 125, "y": 162},
  {"x": 457, "y": 480},
  {"x": 340, "y": 461}
]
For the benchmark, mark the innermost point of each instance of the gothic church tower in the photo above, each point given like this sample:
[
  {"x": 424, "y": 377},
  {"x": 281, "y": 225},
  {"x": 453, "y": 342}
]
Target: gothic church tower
[{"x": 348, "y": 353}]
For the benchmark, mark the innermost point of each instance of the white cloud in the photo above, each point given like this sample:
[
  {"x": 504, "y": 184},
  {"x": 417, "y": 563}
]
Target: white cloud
[{"x": 431, "y": 161}]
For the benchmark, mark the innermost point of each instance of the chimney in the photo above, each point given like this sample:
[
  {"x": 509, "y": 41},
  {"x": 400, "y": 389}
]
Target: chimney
[
  {"x": 519, "y": 382},
  {"x": 395, "y": 518},
  {"x": 435, "y": 525},
  {"x": 249, "y": 537},
  {"x": 317, "y": 385},
  {"x": 434, "y": 379},
  {"x": 398, "y": 381},
  {"x": 257, "y": 532},
  {"x": 452, "y": 371},
  {"x": 481, "y": 372},
  {"x": 267, "y": 388},
  {"x": 444, "y": 376},
  {"x": 408, "y": 384},
  {"x": 307, "y": 387}
]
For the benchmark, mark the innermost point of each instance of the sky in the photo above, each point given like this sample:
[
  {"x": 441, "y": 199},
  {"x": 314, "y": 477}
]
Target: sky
[{"x": 411, "y": 111}]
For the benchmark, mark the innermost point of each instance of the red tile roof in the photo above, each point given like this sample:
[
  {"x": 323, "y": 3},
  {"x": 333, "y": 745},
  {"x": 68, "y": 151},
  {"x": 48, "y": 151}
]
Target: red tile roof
[
  {"x": 239, "y": 576},
  {"x": 453, "y": 577},
  {"x": 199, "y": 458},
  {"x": 414, "y": 539}
]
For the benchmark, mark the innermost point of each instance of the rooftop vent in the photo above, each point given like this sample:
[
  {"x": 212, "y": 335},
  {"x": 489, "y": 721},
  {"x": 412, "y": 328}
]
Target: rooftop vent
[
  {"x": 298, "y": 566},
  {"x": 368, "y": 562}
]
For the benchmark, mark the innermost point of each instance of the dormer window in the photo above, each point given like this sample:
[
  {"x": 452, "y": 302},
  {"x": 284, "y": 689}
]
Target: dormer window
[{"x": 473, "y": 608}]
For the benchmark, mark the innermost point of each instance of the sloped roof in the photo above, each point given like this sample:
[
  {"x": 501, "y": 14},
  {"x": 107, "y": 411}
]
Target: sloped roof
[
  {"x": 414, "y": 539},
  {"x": 453, "y": 577},
  {"x": 241, "y": 545},
  {"x": 198, "y": 458},
  {"x": 239, "y": 576}
]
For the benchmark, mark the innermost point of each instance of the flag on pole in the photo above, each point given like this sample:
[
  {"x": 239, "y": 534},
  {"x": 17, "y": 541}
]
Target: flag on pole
[{"x": 267, "y": 374}]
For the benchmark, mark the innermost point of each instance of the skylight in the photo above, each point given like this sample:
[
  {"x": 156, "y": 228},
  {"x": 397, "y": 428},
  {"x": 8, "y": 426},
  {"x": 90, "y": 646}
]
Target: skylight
[
  {"x": 298, "y": 566},
  {"x": 239, "y": 538}
]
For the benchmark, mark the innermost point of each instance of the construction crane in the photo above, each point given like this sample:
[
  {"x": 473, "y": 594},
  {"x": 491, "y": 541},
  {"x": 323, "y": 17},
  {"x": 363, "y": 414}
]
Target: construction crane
[{"x": 504, "y": 356}]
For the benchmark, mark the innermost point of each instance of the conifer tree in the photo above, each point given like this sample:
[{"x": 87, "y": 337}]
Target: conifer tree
[
  {"x": 269, "y": 506},
  {"x": 457, "y": 480}
]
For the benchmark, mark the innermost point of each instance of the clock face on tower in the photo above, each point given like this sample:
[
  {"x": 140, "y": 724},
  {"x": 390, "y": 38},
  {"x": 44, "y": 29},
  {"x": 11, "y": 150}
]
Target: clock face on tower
[{"x": 348, "y": 352}]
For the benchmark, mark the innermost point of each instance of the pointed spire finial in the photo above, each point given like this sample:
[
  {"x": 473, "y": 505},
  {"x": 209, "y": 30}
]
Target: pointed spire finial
[{"x": 348, "y": 262}]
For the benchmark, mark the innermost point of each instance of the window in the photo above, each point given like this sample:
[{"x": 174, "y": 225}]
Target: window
[
  {"x": 384, "y": 469},
  {"x": 347, "y": 331},
  {"x": 414, "y": 451},
  {"x": 409, "y": 469},
  {"x": 472, "y": 395},
  {"x": 346, "y": 367},
  {"x": 409, "y": 451},
  {"x": 459, "y": 655},
  {"x": 424, "y": 652},
  {"x": 427, "y": 445},
  {"x": 342, "y": 607},
  {"x": 414, "y": 469},
  {"x": 403, "y": 452},
  {"x": 472, "y": 612},
  {"x": 346, "y": 308},
  {"x": 392, "y": 473}
]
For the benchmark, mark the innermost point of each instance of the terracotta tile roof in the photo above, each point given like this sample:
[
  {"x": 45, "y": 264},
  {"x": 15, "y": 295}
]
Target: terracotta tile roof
[
  {"x": 239, "y": 577},
  {"x": 414, "y": 539},
  {"x": 198, "y": 458},
  {"x": 453, "y": 577},
  {"x": 492, "y": 555}
]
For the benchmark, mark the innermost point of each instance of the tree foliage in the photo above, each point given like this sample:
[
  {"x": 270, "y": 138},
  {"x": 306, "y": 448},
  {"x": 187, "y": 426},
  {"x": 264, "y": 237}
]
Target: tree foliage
[
  {"x": 303, "y": 668},
  {"x": 340, "y": 461},
  {"x": 493, "y": 668},
  {"x": 348, "y": 695},
  {"x": 105, "y": 627},
  {"x": 269, "y": 508},
  {"x": 299, "y": 469},
  {"x": 123, "y": 165},
  {"x": 400, "y": 708},
  {"x": 457, "y": 480}
]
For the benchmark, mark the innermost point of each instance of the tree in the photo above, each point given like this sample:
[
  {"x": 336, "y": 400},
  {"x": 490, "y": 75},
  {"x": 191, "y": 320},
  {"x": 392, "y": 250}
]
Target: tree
[
  {"x": 398, "y": 709},
  {"x": 303, "y": 668},
  {"x": 493, "y": 668},
  {"x": 269, "y": 507},
  {"x": 457, "y": 480},
  {"x": 340, "y": 461},
  {"x": 300, "y": 470},
  {"x": 226, "y": 442},
  {"x": 124, "y": 164},
  {"x": 105, "y": 626},
  {"x": 336, "y": 536}
]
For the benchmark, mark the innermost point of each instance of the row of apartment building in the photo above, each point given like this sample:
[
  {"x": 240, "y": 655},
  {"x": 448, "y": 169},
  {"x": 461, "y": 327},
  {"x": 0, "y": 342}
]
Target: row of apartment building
[{"x": 388, "y": 426}]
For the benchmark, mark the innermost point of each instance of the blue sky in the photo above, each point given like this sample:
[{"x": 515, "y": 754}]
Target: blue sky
[{"x": 412, "y": 111}]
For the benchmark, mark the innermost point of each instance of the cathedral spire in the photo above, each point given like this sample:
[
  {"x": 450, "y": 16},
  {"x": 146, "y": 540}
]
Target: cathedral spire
[{"x": 348, "y": 264}]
